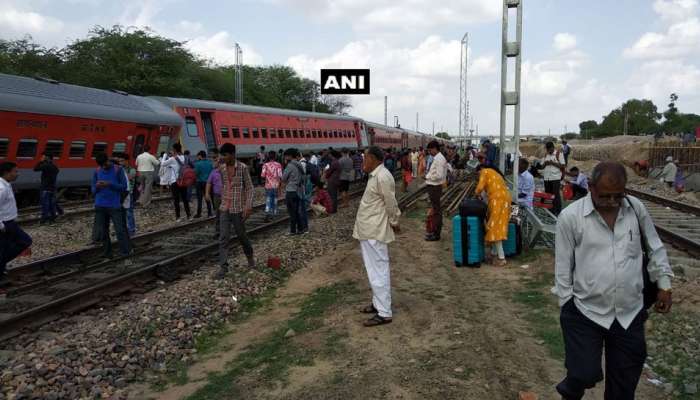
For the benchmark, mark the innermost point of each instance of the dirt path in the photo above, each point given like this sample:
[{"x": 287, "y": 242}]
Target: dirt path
[{"x": 457, "y": 334}]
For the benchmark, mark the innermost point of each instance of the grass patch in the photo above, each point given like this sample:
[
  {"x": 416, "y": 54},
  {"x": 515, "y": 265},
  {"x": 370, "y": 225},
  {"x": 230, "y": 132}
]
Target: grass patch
[
  {"x": 541, "y": 308},
  {"x": 276, "y": 354}
]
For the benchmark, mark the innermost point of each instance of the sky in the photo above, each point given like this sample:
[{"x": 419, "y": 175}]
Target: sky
[{"x": 580, "y": 59}]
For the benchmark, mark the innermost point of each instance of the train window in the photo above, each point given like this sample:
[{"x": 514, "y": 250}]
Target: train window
[
  {"x": 236, "y": 132},
  {"x": 54, "y": 148},
  {"x": 335, "y": 134},
  {"x": 224, "y": 132},
  {"x": 27, "y": 148},
  {"x": 119, "y": 147},
  {"x": 101, "y": 147},
  {"x": 163, "y": 144},
  {"x": 255, "y": 132},
  {"x": 325, "y": 134},
  {"x": 273, "y": 133},
  {"x": 296, "y": 133},
  {"x": 191, "y": 126},
  {"x": 246, "y": 132},
  {"x": 287, "y": 133},
  {"x": 308, "y": 134},
  {"x": 4, "y": 147},
  {"x": 263, "y": 132},
  {"x": 78, "y": 147}
]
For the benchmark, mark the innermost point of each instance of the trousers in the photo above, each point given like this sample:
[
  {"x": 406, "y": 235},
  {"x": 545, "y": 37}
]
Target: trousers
[
  {"x": 13, "y": 241},
  {"x": 375, "y": 255},
  {"x": 236, "y": 219},
  {"x": 271, "y": 201},
  {"x": 434, "y": 194},
  {"x": 201, "y": 186},
  {"x": 292, "y": 201},
  {"x": 103, "y": 216},
  {"x": 48, "y": 205},
  {"x": 180, "y": 194},
  {"x": 552, "y": 187},
  {"x": 584, "y": 342},
  {"x": 146, "y": 179}
]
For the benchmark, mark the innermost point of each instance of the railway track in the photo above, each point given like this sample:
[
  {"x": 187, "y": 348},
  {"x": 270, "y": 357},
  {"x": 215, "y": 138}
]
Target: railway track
[
  {"x": 677, "y": 223},
  {"x": 48, "y": 289},
  {"x": 32, "y": 215}
]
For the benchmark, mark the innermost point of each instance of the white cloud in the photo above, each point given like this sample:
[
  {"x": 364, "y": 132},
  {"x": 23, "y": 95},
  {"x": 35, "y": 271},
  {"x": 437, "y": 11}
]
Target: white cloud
[
  {"x": 220, "y": 48},
  {"x": 390, "y": 15},
  {"x": 681, "y": 39},
  {"x": 657, "y": 79},
  {"x": 564, "y": 41},
  {"x": 675, "y": 10},
  {"x": 14, "y": 21},
  {"x": 420, "y": 78},
  {"x": 190, "y": 26}
]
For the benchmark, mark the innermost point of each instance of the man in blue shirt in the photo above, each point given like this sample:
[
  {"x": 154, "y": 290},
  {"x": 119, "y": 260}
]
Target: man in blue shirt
[
  {"x": 526, "y": 184},
  {"x": 579, "y": 183},
  {"x": 202, "y": 168},
  {"x": 109, "y": 185}
]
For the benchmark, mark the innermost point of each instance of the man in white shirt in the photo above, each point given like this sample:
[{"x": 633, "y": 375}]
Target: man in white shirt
[
  {"x": 377, "y": 220},
  {"x": 414, "y": 163},
  {"x": 599, "y": 280},
  {"x": 434, "y": 180},
  {"x": 526, "y": 184},
  {"x": 553, "y": 164},
  {"x": 13, "y": 240},
  {"x": 668, "y": 175},
  {"x": 146, "y": 165}
]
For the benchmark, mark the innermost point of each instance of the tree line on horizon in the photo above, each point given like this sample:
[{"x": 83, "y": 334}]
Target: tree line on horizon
[
  {"x": 140, "y": 62},
  {"x": 643, "y": 118}
]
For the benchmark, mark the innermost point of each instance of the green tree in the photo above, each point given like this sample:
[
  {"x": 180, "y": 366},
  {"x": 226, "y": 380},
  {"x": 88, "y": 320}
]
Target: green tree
[
  {"x": 24, "y": 57},
  {"x": 443, "y": 135},
  {"x": 642, "y": 118},
  {"x": 588, "y": 128}
]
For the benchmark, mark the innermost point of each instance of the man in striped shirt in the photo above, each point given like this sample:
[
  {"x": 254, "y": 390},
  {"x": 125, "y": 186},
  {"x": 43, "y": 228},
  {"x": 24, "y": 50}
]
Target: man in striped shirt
[{"x": 236, "y": 206}]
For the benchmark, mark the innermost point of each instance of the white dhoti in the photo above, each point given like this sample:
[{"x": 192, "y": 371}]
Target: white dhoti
[
  {"x": 414, "y": 169},
  {"x": 375, "y": 255}
]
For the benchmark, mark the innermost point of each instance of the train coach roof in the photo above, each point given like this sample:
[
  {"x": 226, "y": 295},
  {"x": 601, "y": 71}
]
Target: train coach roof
[
  {"x": 22, "y": 94},
  {"x": 217, "y": 105}
]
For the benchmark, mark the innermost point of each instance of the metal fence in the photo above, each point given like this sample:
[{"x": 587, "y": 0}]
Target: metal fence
[{"x": 688, "y": 157}]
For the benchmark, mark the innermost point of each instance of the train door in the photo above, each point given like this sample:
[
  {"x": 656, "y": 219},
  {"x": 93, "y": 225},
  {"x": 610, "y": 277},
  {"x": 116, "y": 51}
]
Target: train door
[
  {"x": 139, "y": 138},
  {"x": 210, "y": 140}
]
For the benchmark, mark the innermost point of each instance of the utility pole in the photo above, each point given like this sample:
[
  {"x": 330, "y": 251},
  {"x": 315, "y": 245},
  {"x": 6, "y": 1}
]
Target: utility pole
[
  {"x": 510, "y": 50},
  {"x": 624, "y": 129},
  {"x": 385, "y": 109},
  {"x": 396, "y": 121},
  {"x": 433, "y": 128},
  {"x": 313, "y": 101},
  {"x": 463, "y": 74},
  {"x": 416, "y": 122},
  {"x": 239, "y": 74}
]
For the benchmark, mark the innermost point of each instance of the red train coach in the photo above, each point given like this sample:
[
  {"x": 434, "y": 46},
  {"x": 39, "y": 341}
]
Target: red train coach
[
  {"x": 385, "y": 137},
  {"x": 209, "y": 124},
  {"x": 74, "y": 123}
]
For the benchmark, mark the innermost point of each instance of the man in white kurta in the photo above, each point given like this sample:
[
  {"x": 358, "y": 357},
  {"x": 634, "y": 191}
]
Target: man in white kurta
[{"x": 377, "y": 219}]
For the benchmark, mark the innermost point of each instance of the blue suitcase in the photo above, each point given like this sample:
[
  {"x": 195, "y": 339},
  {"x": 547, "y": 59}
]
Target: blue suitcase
[
  {"x": 512, "y": 245},
  {"x": 468, "y": 241}
]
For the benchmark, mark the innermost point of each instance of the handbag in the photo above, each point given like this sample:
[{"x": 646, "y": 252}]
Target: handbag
[{"x": 651, "y": 289}]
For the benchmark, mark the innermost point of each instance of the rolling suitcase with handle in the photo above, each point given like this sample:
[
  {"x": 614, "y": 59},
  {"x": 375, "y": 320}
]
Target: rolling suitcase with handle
[
  {"x": 467, "y": 241},
  {"x": 512, "y": 246}
]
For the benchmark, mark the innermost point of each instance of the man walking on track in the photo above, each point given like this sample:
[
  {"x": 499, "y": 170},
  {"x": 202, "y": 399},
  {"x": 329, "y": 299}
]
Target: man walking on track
[
  {"x": 13, "y": 240},
  {"x": 599, "y": 266},
  {"x": 434, "y": 180},
  {"x": 236, "y": 206},
  {"x": 377, "y": 220},
  {"x": 146, "y": 165}
]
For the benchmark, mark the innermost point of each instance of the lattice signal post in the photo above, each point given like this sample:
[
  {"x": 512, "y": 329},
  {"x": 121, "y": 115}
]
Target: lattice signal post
[{"x": 511, "y": 98}]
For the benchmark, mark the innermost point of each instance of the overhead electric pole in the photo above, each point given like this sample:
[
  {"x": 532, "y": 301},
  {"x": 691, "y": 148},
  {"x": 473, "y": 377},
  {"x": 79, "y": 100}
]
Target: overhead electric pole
[
  {"x": 511, "y": 98},
  {"x": 385, "y": 109},
  {"x": 239, "y": 74},
  {"x": 463, "y": 99}
]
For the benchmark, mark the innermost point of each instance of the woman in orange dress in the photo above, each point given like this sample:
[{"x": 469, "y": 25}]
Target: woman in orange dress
[
  {"x": 421, "y": 163},
  {"x": 491, "y": 182}
]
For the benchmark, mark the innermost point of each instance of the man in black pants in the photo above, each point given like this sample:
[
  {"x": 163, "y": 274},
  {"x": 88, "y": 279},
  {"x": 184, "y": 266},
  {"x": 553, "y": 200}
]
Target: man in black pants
[
  {"x": 553, "y": 164},
  {"x": 598, "y": 283},
  {"x": 434, "y": 179}
]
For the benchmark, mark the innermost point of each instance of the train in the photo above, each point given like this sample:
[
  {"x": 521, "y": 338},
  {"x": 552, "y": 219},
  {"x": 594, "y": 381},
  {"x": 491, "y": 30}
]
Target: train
[{"x": 74, "y": 123}]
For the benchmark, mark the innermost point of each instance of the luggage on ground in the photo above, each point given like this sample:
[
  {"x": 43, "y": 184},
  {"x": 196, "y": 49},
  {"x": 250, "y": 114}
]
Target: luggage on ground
[
  {"x": 468, "y": 241},
  {"x": 472, "y": 208},
  {"x": 543, "y": 200},
  {"x": 512, "y": 246}
]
